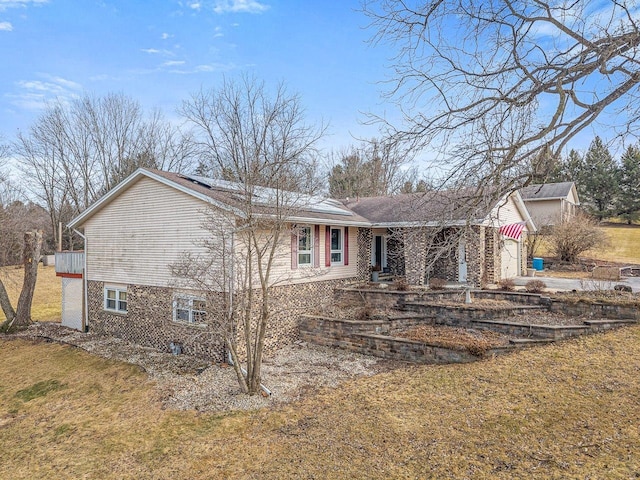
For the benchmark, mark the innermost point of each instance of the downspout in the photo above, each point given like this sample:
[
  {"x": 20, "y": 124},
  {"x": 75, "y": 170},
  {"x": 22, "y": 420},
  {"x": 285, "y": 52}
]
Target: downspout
[{"x": 84, "y": 283}]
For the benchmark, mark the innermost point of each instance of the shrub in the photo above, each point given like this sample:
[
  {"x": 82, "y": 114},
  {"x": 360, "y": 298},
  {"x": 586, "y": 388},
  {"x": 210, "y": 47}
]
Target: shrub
[
  {"x": 535, "y": 286},
  {"x": 364, "y": 313},
  {"x": 401, "y": 285},
  {"x": 507, "y": 285},
  {"x": 437, "y": 283},
  {"x": 575, "y": 236}
]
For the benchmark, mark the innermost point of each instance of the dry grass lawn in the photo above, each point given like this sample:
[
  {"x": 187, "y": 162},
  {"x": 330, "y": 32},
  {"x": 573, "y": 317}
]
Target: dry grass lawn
[
  {"x": 624, "y": 247},
  {"x": 46, "y": 306},
  {"x": 569, "y": 410}
]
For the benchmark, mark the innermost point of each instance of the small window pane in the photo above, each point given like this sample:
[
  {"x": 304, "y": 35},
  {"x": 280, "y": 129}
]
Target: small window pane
[
  {"x": 111, "y": 304},
  {"x": 336, "y": 257},
  {"x": 336, "y": 239},
  {"x": 304, "y": 259},
  {"x": 182, "y": 315},
  {"x": 304, "y": 239}
]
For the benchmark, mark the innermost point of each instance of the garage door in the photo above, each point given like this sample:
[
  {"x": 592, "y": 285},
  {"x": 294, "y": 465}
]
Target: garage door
[{"x": 510, "y": 258}]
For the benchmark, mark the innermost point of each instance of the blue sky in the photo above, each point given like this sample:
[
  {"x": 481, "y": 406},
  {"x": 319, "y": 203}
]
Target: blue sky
[{"x": 159, "y": 52}]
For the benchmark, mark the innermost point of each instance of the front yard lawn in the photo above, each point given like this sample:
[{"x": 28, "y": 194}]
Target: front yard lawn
[{"x": 568, "y": 410}]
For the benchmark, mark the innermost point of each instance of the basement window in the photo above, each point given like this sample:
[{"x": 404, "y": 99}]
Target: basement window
[
  {"x": 115, "y": 299},
  {"x": 188, "y": 309}
]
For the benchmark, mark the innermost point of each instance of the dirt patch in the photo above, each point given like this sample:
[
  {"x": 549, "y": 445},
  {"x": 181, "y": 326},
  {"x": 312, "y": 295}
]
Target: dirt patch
[{"x": 185, "y": 382}]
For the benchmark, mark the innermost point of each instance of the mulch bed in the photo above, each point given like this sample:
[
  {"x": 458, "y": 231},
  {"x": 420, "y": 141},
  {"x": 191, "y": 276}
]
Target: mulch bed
[{"x": 476, "y": 342}]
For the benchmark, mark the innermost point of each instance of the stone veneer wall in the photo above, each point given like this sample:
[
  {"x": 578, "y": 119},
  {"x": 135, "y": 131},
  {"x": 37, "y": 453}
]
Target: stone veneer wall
[
  {"x": 415, "y": 255},
  {"x": 493, "y": 262},
  {"x": 149, "y": 319},
  {"x": 149, "y": 322},
  {"x": 365, "y": 238},
  {"x": 395, "y": 252}
]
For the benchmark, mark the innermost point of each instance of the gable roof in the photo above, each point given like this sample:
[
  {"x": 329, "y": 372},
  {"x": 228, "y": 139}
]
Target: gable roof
[
  {"x": 548, "y": 191},
  {"x": 434, "y": 208},
  {"x": 228, "y": 196}
]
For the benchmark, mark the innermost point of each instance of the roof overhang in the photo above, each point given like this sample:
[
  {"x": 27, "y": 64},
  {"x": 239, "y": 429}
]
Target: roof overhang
[{"x": 144, "y": 173}]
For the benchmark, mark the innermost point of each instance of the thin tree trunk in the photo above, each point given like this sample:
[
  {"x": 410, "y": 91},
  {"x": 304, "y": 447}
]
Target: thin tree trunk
[
  {"x": 5, "y": 303},
  {"x": 31, "y": 258}
]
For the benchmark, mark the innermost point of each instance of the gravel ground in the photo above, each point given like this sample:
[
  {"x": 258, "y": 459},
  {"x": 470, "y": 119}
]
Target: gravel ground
[{"x": 185, "y": 382}]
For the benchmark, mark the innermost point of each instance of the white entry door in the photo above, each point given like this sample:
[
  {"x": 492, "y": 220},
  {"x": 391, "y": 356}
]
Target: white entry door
[
  {"x": 462, "y": 261},
  {"x": 510, "y": 257},
  {"x": 72, "y": 303}
]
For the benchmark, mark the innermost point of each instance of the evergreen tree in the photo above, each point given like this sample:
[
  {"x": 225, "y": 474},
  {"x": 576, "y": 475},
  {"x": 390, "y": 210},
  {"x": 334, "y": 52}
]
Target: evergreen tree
[
  {"x": 599, "y": 177},
  {"x": 628, "y": 201}
]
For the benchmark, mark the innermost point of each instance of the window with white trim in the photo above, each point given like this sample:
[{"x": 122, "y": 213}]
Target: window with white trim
[
  {"x": 305, "y": 246},
  {"x": 115, "y": 299},
  {"x": 189, "y": 309},
  {"x": 337, "y": 246}
]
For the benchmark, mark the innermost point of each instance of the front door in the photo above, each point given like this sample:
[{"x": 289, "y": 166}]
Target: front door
[
  {"x": 379, "y": 251},
  {"x": 462, "y": 261}
]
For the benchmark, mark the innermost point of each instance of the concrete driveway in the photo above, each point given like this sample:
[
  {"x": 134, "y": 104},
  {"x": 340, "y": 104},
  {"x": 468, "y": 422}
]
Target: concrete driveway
[{"x": 562, "y": 284}]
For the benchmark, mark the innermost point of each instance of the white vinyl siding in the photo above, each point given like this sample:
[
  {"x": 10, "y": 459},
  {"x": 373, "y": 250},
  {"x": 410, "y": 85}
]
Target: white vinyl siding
[
  {"x": 282, "y": 273},
  {"x": 135, "y": 238},
  {"x": 505, "y": 214}
]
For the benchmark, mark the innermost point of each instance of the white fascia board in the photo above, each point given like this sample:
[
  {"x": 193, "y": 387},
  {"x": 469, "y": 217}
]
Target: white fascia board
[
  {"x": 321, "y": 221},
  {"x": 524, "y": 211},
  {"x": 133, "y": 178},
  {"x": 456, "y": 223},
  {"x": 543, "y": 199}
]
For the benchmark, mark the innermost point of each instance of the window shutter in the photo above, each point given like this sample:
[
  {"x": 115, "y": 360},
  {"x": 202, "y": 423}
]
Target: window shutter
[
  {"x": 294, "y": 249},
  {"x": 345, "y": 245},
  {"x": 316, "y": 246},
  {"x": 327, "y": 246}
]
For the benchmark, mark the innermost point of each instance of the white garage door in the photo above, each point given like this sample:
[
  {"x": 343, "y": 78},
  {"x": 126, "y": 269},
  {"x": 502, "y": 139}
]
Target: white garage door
[{"x": 510, "y": 258}]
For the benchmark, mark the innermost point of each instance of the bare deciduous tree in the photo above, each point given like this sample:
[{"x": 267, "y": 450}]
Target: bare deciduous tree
[
  {"x": 261, "y": 143},
  {"x": 489, "y": 85},
  {"x": 371, "y": 169},
  {"x": 73, "y": 154}
]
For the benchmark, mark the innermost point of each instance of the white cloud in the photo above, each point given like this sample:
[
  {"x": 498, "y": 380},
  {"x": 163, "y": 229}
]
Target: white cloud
[
  {"x": 165, "y": 36},
  {"x": 195, "y": 6},
  {"x": 239, "y": 6},
  {"x": 5, "y": 27},
  {"x": 33, "y": 94},
  {"x": 205, "y": 68},
  {"x": 155, "y": 51},
  {"x": 6, "y": 4},
  {"x": 173, "y": 63}
]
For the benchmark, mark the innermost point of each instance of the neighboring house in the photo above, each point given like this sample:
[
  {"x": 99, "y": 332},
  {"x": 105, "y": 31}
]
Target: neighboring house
[
  {"x": 428, "y": 235},
  {"x": 147, "y": 223},
  {"x": 551, "y": 203}
]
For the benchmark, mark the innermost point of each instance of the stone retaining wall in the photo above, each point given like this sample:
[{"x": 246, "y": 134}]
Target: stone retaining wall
[
  {"x": 601, "y": 310},
  {"x": 367, "y": 337}
]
